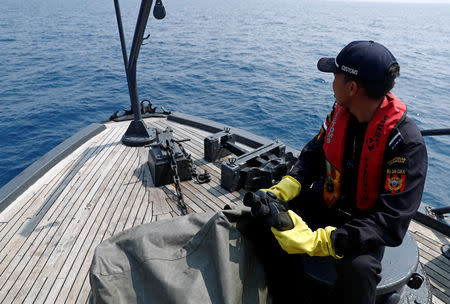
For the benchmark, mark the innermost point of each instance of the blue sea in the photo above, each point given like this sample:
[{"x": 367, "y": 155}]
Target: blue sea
[{"x": 247, "y": 63}]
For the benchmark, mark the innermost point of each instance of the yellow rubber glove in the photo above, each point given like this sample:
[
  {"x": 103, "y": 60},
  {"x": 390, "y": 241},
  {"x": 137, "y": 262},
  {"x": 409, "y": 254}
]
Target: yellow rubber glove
[
  {"x": 301, "y": 239},
  {"x": 287, "y": 189}
]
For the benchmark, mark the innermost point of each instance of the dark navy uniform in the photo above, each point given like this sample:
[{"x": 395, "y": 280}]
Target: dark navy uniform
[{"x": 361, "y": 235}]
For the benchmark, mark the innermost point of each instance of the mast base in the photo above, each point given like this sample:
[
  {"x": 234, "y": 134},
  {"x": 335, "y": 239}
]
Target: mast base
[{"x": 138, "y": 135}]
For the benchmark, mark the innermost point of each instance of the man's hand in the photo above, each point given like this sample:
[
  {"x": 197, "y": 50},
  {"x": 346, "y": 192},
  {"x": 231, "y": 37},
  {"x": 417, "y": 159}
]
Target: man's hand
[
  {"x": 301, "y": 239},
  {"x": 266, "y": 206}
]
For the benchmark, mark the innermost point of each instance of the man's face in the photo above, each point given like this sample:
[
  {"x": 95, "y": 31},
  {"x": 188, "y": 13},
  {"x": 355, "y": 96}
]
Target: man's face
[{"x": 341, "y": 89}]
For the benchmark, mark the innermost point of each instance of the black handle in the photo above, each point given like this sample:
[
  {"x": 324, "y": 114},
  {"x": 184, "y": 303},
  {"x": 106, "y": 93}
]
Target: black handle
[{"x": 433, "y": 132}]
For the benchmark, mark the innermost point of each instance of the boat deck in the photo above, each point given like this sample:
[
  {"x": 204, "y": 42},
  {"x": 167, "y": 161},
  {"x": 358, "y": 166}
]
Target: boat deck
[{"x": 48, "y": 234}]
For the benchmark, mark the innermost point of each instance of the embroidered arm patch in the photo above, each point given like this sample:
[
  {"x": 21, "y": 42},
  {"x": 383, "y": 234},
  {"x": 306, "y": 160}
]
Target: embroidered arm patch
[{"x": 395, "y": 181}]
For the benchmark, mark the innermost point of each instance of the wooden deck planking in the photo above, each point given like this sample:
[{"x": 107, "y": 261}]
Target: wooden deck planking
[
  {"x": 136, "y": 181},
  {"x": 103, "y": 222},
  {"x": 193, "y": 206},
  {"x": 50, "y": 244},
  {"x": 159, "y": 203},
  {"x": 10, "y": 237},
  {"x": 76, "y": 247},
  {"x": 31, "y": 199},
  {"x": 200, "y": 198},
  {"x": 76, "y": 265},
  {"x": 66, "y": 244},
  {"x": 431, "y": 234},
  {"x": 435, "y": 264},
  {"x": 37, "y": 188},
  {"x": 27, "y": 244},
  {"x": 440, "y": 263},
  {"x": 436, "y": 300},
  {"x": 50, "y": 232},
  {"x": 139, "y": 200}
]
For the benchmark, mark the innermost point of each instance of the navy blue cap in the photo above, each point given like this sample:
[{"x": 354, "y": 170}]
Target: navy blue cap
[{"x": 366, "y": 60}]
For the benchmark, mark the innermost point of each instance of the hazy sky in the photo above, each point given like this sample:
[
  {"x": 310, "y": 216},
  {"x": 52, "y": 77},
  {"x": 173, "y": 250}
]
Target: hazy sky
[{"x": 405, "y": 1}]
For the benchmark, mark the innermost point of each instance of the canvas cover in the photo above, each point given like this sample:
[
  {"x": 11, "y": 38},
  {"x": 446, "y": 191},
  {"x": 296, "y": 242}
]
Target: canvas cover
[{"x": 197, "y": 258}]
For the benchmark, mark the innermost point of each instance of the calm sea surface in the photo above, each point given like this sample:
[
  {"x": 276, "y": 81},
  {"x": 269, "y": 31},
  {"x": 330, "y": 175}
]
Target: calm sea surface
[{"x": 246, "y": 63}]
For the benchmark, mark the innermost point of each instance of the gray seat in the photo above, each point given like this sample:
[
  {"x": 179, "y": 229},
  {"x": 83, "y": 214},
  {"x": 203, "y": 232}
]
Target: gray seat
[{"x": 399, "y": 266}]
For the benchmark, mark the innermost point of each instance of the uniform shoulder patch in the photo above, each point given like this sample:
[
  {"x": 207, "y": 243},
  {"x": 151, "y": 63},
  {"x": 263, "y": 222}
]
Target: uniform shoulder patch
[{"x": 396, "y": 139}]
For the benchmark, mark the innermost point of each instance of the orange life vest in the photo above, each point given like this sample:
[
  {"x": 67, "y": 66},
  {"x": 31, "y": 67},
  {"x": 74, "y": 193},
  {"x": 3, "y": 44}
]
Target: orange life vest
[{"x": 387, "y": 116}]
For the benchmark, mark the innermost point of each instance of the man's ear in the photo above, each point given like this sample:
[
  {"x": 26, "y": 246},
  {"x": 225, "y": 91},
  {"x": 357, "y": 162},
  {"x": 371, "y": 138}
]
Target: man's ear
[{"x": 353, "y": 88}]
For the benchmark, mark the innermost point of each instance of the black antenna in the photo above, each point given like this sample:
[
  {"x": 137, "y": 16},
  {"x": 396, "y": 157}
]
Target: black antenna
[{"x": 137, "y": 133}]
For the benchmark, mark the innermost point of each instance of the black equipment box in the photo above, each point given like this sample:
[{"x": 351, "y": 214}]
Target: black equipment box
[
  {"x": 252, "y": 170},
  {"x": 160, "y": 164},
  {"x": 257, "y": 169},
  {"x": 215, "y": 145}
]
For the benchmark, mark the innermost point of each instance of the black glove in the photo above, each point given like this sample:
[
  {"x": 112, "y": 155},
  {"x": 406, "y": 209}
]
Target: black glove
[{"x": 273, "y": 211}]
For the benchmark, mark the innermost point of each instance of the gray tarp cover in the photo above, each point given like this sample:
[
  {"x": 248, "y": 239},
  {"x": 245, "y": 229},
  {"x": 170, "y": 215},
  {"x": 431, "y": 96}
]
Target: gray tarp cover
[{"x": 197, "y": 258}]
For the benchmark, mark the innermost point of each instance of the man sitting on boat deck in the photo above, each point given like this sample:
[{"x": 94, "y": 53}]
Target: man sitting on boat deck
[{"x": 357, "y": 183}]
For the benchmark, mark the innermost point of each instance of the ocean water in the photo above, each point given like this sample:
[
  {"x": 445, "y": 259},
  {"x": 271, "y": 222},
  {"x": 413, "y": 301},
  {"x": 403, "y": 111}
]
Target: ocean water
[{"x": 250, "y": 64}]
